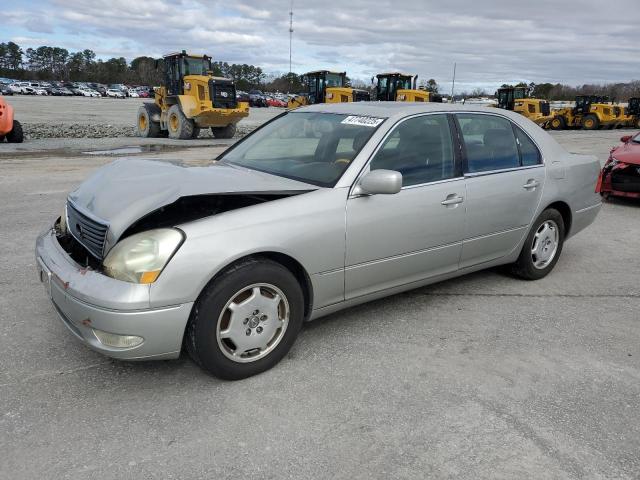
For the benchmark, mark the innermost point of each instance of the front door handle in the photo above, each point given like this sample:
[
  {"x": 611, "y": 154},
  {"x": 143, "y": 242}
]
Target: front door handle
[
  {"x": 452, "y": 199},
  {"x": 531, "y": 184}
]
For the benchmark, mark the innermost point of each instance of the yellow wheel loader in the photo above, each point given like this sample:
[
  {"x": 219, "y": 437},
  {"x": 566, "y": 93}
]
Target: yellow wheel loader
[
  {"x": 515, "y": 99},
  {"x": 189, "y": 99},
  {"x": 591, "y": 112},
  {"x": 631, "y": 114},
  {"x": 399, "y": 87},
  {"x": 324, "y": 86}
]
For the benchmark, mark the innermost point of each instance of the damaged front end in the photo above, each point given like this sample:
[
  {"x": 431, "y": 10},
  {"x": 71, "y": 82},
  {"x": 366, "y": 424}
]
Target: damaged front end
[{"x": 620, "y": 179}]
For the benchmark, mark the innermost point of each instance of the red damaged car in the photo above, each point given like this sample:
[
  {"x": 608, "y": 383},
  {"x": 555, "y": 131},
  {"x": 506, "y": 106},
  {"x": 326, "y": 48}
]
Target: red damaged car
[{"x": 620, "y": 176}]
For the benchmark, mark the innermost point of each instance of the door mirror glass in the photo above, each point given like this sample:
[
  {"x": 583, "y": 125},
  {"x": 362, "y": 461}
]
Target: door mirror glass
[
  {"x": 625, "y": 139},
  {"x": 379, "y": 182}
]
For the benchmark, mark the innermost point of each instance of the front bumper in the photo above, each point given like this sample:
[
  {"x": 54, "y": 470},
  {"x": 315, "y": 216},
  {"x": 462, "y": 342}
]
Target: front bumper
[{"x": 86, "y": 300}]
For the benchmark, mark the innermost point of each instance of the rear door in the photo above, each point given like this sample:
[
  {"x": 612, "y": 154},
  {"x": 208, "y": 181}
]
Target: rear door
[{"x": 504, "y": 178}]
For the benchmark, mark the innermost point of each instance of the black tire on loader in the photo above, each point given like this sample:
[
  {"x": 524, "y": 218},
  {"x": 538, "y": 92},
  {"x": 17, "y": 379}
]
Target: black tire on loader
[
  {"x": 15, "y": 135},
  {"x": 558, "y": 123},
  {"x": 179, "y": 126},
  {"x": 196, "y": 132},
  {"x": 224, "y": 132},
  {"x": 147, "y": 127},
  {"x": 591, "y": 122}
]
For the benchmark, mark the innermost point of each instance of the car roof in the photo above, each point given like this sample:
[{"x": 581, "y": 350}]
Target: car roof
[{"x": 392, "y": 109}]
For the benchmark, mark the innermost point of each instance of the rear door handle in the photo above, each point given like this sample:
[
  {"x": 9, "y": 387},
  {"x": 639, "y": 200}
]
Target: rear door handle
[
  {"x": 452, "y": 199},
  {"x": 531, "y": 184}
]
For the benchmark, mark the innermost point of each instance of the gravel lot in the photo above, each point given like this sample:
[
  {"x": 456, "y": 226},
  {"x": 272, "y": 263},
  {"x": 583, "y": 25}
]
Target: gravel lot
[{"x": 480, "y": 377}]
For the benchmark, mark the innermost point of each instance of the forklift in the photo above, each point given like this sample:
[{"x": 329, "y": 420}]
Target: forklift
[
  {"x": 517, "y": 100},
  {"x": 191, "y": 98},
  {"x": 399, "y": 87},
  {"x": 324, "y": 86}
]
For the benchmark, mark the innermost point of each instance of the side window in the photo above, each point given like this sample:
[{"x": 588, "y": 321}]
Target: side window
[
  {"x": 489, "y": 142},
  {"x": 420, "y": 148},
  {"x": 528, "y": 151}
]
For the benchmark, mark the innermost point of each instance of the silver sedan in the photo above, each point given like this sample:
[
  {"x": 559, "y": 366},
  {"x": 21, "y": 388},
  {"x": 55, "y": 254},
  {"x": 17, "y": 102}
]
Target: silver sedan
[{"x": 320, "y": 209}]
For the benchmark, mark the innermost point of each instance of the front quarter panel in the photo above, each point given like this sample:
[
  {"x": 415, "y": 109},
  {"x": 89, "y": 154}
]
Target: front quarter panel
[{"x": 309, "y": 227}]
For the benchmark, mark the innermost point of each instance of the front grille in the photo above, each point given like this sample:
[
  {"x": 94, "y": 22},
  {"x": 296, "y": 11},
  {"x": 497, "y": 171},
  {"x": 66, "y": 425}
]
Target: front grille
[
  {"x": 89, "y": 232},
  {"x": 223, "y": 94},
  {"x": 626, "y": 179}
]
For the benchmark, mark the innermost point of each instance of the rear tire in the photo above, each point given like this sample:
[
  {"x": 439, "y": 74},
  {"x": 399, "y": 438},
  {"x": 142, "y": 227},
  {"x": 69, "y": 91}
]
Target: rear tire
[
  {"x": 215, "y": 335},
  {"x": 224, "y": 132},
  {"x": 147, "y": 127},
  {"x": 16, "y": 135},
  {"x": 179, "y": 126},
  {"x": 591, "y": 122},
  {"x": 542, "y": 247},
  {"x": 558, "y": 123}
]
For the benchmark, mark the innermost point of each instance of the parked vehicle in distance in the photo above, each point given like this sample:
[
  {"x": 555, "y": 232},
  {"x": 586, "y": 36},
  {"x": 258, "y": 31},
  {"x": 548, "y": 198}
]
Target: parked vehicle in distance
[
  {"x": 10, "y": 128},
  {"x": 5, "y": 90},
  {"x": 114, "y": 93},
  {"x": 274, "y": 102},
  {"x": 382, "y": 196},
  {"x": 257, "y": 99},
  {"x": 87, "y": 92},
  {"x": 61, "y": 92},
  {"x": 15, "y": 87},
  {"x": 620, "y": 176}
]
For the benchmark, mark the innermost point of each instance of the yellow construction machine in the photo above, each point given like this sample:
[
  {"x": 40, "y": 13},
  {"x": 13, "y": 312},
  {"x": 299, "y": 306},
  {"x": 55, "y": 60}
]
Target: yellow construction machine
[
  {"x": 590, "y": 112},
  {"x": 400, "y": 87},
  {"x": 324, "y": 86},
  {"x": 191, "y": 98},
  {"x": 631, "y": 114},
  {"x": 516, "y": 99}
]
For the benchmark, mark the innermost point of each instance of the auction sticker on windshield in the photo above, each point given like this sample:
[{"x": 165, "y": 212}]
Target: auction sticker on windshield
[{"x": 362, "y": 121}]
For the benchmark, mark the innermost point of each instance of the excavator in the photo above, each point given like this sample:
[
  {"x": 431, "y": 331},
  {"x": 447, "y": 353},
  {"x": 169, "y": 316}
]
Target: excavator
[
  {"x": 324, "y": 86},
  {"x": 516, "y": 99},
  {"x": 191, "y": 98},
  {"x": 400, "y": 87},
  {"x": 590, "y": 112}
]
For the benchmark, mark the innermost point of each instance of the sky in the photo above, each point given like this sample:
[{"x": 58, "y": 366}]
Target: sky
[{"x": 491, "y": 41}]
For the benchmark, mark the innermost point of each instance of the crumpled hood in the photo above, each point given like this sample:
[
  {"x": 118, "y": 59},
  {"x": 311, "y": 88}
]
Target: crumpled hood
[
  {"x": 126, "y": 190},
  {"x": 628, "y": 153}
]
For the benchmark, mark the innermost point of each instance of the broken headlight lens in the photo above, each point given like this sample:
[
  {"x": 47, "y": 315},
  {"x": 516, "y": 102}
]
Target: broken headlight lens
[{"x": 141, "y": 257}]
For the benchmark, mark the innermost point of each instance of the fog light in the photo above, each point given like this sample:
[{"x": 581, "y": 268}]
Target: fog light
[{"x": 117, "y": 341}]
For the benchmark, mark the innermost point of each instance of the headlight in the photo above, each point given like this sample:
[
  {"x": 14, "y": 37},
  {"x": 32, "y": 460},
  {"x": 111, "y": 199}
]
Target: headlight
[{"x": 141, "y": 257}]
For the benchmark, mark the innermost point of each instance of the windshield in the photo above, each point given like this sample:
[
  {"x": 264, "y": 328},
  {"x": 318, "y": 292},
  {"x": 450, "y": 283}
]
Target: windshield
[
  {"x": 196, "y": 66},
  {"x": 334, "y": 80},
  {"x": 314, "y": 148},
  {"x": 636, "y": 139}
]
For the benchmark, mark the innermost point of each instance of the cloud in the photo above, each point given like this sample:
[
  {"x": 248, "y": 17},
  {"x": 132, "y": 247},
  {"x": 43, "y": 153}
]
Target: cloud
[{"x": 492, "y": 42}]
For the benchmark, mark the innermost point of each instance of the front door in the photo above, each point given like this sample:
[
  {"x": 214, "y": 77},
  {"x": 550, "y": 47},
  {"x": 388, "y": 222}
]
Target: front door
[{"x": 397, "y": 239}]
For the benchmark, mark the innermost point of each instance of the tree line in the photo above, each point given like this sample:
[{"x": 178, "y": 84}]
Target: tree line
[{"x": 56, "y": 63}]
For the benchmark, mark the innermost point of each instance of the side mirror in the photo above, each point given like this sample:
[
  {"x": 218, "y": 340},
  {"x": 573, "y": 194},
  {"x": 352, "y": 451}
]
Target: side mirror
[
  {"x": 625, "y": 139},
  {"x": 379, "y": 182}
]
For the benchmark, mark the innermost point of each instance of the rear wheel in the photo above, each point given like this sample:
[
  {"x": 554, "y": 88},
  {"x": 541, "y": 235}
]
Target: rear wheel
[
  {"x": 224, "y": 132},
  {"x": 147, "y": 127},
  {"x": 16, "y": 134},
  {"x": 558, "y": 123},
  {"x": 245, "y": 321},
  {"x": 542, "y": 247},
  {"x": 591, "y": 122},
  {"x": 179, "y": 126}
]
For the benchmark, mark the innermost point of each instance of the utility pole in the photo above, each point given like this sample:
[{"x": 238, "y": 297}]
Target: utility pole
[
  {"x": 290, "y": 32},
  {"x": 453, "y": 83}
]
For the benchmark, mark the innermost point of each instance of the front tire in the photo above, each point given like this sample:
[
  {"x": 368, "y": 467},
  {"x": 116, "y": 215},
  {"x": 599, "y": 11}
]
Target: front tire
[
  {"x": 16, "y": 135},
  {"x": 542, "y": 247},
  {"x": 246, "y": 320},
  {"x": 179, "y": 126},
  {"x": 147, "y": 127},
  {"x": 558, "y": 123}
]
